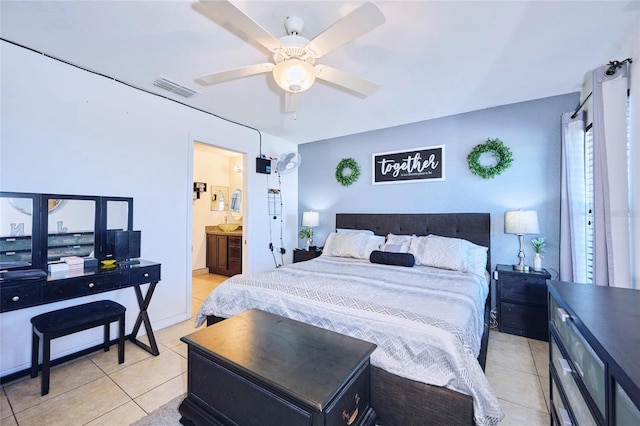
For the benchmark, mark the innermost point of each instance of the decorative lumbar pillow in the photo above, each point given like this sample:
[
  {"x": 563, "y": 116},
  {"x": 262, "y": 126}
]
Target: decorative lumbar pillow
[
  {"x": 388, "y": 258},
  {"x": 346, "y": 245}
]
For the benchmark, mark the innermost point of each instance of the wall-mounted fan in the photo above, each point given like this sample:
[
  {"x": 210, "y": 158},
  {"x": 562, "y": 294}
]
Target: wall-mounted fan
[
  {"x": 294, "y": 56},
  {"x": 288, "y": 162}
]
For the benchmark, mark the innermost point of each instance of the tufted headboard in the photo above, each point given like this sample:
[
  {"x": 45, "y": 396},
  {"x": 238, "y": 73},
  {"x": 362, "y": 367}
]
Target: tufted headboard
[{"x": 474, "y": 227}]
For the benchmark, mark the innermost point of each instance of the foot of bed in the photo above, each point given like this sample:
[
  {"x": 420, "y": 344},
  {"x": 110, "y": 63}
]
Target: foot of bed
[{"x": 399, "y": 401}]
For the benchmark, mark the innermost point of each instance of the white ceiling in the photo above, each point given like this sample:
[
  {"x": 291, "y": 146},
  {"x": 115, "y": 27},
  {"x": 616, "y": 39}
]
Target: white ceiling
[{"x": 431, "y": 58}]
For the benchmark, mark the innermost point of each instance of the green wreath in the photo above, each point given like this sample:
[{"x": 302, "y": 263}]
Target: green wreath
[
  {"x": 347, "y": 179},
  {"x": 500, "y": 151}
]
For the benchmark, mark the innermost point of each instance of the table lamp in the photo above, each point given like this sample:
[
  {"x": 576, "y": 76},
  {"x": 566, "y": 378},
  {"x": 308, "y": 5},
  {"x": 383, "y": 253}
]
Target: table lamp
[{"x": 521, "y": 222}]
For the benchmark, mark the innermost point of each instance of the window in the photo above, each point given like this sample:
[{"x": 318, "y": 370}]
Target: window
[{"x": 588, "y": 205}]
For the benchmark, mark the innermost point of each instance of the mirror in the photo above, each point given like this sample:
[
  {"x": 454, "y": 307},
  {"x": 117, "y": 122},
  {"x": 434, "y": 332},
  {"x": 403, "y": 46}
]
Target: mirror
[
  {"x": 236, "y": 200},
  {"x": 70, "y": 227},
  {"x": 38, "y": 229},
  {"x": 17, "y": 230},
  {"x": 25, "y": 205},
  {"x": 219, "y": 198},
  {"x": 118, "y": 215}
]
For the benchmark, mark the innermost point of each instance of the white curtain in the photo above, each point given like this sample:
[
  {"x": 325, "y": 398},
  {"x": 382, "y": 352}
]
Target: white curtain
[
  {"x": 612, "y": 217},
  {"x": 573, "y": 201}
]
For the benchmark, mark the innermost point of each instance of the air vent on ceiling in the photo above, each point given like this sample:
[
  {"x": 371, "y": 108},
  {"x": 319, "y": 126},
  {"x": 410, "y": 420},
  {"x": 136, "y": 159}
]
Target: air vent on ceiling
[{"x": 174, "y": 87}]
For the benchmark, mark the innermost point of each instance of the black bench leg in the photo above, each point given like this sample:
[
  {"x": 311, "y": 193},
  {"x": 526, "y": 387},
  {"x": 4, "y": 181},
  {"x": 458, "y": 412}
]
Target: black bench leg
[
  {"x": 121, "y": 339},
  {"x": 107, "y": 337},
  {"x": 35, "y": 352},
  {"x": 46, "y": 363}
]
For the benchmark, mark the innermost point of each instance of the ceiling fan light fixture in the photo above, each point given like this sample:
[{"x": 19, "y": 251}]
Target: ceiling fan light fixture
[{"x": 294, "y": 75}]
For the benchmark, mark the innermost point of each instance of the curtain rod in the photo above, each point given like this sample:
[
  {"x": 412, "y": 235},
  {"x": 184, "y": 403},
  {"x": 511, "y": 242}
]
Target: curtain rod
[
  {"x": 575, "y": 113},
  {"x": 614, "y": 66}
]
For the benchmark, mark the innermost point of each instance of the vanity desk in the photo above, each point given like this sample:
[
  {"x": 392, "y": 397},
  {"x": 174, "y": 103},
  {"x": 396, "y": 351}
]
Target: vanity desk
[
  {"x": 37, "y": 231},
  {"x": 97, "y": 280}
]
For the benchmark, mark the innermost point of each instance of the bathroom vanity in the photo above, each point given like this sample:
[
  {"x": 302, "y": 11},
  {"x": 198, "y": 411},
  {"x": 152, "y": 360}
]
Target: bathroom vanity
[{"x": 224, "y": 251}]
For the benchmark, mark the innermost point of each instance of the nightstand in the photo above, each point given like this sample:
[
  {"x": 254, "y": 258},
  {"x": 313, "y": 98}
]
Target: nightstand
[
  {"x": 302, "y": 255},
  {"x": 522, "y": 302}
]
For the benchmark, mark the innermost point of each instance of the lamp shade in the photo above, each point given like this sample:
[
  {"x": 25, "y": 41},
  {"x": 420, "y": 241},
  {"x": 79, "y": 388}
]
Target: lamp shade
[
  {"x": 310, "y": 219},
  {"x": 521, "y": 222},
  {"x": 294, "y": 75}
]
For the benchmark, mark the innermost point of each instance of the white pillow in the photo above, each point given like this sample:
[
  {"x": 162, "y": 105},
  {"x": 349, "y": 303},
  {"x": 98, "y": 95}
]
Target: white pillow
[
  {"x": 350, "y": 244},
  {"x": 449, "y": 253},
  {"x": 476, "y": 259},
  {"x": 347, "y": 231},
  {"x": 374, "y": 242},
  {"x": 400, "y": 240},
  {"x": 439, "y": 252},
  {"x": 395, "y": 248}
]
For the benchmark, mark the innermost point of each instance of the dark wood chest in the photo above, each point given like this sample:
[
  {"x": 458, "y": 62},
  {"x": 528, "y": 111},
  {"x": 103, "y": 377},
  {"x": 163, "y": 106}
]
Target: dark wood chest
[{"x": 262, "y": 369}]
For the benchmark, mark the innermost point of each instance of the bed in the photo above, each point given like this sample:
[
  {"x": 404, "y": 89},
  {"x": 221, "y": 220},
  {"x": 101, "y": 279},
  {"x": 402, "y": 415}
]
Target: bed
[{"x": 432, "y": 332}]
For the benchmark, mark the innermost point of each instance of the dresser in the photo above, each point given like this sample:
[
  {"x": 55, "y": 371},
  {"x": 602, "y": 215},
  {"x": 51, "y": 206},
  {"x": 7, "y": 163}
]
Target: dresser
[
  {"x": 260, "y": 369},
  {"x": 594, "y": 350},
  {"x": 522, "y": 301}
]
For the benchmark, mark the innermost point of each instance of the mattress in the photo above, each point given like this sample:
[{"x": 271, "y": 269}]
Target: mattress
[{"x": 427, "y": 322}]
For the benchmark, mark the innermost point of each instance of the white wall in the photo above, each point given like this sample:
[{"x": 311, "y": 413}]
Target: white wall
[{"x": 69, "y": 131}]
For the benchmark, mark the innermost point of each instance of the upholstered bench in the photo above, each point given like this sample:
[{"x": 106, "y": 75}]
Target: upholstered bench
[{"x": 62, "y": 322}]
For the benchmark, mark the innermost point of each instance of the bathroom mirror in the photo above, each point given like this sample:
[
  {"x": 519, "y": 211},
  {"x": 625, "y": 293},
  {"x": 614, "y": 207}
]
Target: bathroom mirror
[
  {"x": 219, "y": 198},
  {"x": 18, "y": 229},
  {"x": 70, "y": 226},
  {"x": 236, "y": 200}
]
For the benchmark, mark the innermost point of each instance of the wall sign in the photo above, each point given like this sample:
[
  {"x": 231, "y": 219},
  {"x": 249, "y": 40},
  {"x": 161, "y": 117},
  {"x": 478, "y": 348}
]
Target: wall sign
[{"x": 416, "y": 165}]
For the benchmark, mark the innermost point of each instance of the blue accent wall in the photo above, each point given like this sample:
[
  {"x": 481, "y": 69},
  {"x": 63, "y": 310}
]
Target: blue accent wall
[{"x": 532, "y": 130}]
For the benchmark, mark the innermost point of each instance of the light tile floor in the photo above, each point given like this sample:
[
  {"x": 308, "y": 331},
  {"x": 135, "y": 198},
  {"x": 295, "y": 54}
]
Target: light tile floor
[{"x": 96, "y": 390}]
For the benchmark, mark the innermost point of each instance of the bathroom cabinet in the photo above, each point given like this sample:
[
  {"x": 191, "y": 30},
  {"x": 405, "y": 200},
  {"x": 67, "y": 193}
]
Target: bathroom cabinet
[{"x": 224, "y": 253}]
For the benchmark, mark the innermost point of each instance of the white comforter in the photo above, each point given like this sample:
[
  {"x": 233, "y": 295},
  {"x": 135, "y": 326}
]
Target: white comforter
[{"x": 427, "y": 322}]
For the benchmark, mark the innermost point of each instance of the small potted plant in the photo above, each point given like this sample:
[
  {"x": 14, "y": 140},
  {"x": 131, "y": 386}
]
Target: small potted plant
[
  {"x": 538, "y": 247},
  {"x": 308, "y": 234}
]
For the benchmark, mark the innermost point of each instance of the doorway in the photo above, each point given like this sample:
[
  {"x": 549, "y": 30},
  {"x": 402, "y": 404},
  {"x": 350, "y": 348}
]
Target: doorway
[{"x": 218, "y": 173}]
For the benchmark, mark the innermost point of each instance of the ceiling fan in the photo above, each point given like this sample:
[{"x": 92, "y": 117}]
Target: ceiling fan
[{"x": 294, "y": 56}]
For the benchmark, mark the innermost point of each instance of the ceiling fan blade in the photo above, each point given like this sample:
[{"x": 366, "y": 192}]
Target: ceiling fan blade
[
  {"x": 357, "y": 23},
  {"x": 219, "y": 77},
  {"x": 234, "y": 18},
  {"x": 348, "y": 81}
]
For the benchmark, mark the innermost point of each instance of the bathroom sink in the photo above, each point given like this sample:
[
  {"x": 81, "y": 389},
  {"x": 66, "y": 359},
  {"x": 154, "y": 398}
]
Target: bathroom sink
[{"x": 228, "y": 227}]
